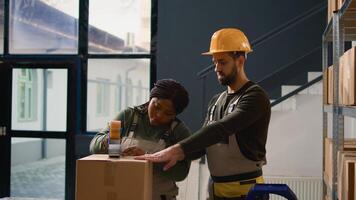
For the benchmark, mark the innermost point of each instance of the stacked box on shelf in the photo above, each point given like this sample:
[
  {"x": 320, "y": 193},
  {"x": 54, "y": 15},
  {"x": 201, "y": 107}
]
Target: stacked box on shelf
[
  {"x": 348, "y": 19},
  {"x": 325, "y": 86},
  {"x": 329, "y": 84},
  {"x": 328, "y": 161},
  {"x": 349, "y": 146},
  {"x": 346, "y": 175},
  {"x": 346, "y": 166},
  {"x": 343, "y": 63},
  {"x": 352, "y": 5},
  {"x": 332, "y": 6},
  {"x": 348, "y": 73}
]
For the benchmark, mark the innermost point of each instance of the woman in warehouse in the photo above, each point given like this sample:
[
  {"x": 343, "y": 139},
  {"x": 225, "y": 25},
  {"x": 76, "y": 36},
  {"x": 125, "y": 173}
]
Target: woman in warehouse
[{"x": 151, "y": 127}]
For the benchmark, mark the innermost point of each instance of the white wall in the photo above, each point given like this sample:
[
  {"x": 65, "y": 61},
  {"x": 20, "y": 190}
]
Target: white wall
[
  {"x": 57, "y": 100},
  {"x": 294, "y": 146}
]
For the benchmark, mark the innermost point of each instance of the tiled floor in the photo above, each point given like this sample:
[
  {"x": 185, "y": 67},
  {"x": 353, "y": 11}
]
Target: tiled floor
[{"x": 40, "y": 179}]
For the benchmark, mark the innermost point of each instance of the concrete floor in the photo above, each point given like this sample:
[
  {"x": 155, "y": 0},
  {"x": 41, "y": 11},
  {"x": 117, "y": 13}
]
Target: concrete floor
[{"x": 41, "y": 179}]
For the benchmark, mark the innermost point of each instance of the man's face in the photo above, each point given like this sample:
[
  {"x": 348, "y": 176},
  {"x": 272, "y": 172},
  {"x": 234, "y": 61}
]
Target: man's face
[{"x": 225, "y": 68}]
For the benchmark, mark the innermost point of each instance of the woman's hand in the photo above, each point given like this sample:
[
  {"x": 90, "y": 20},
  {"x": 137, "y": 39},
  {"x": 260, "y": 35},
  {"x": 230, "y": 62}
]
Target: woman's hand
[{"x": 133, "y": 151}]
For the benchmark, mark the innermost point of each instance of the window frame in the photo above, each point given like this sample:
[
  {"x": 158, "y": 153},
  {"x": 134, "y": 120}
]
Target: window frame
[
  {"x": 30, "y": 100},
  {"x": 76, "y": 134}
]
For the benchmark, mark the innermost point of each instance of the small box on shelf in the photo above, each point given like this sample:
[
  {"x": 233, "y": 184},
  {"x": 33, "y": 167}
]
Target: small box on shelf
[
  {"x": 333, "y": 5},
  {"x": 349, "y": 146},
  {"x": 347, "y": 77},
  {"x": 352, "y": 6},
  {"x": 346, "y": 174}
]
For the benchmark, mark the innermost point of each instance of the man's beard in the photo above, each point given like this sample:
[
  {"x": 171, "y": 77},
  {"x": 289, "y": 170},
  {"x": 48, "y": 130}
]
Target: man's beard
[{"x": 229, "y": 79}]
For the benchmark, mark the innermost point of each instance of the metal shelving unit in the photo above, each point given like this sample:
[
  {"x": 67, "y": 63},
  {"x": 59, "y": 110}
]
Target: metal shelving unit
[{"x": 340, "y": 29}]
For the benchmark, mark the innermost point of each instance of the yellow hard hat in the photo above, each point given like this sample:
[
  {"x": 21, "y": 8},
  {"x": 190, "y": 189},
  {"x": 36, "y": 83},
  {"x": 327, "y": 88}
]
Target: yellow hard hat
[{"x": 228, "y": 40}]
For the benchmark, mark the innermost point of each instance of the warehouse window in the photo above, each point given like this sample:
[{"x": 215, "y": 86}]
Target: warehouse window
[
  {"x": 118, "y": 93},
  {"x": 102, "y": 97},
  {"x": 119, "y": 75},
  {"x": 129, "y": 92},
  {"x": 27, "y": 101},
  {"x": 131, "y": 33},
  {"x": 121, "y": 54},
  {"x": 43, "y": 27},
  {"x": 139, "y": 90}
]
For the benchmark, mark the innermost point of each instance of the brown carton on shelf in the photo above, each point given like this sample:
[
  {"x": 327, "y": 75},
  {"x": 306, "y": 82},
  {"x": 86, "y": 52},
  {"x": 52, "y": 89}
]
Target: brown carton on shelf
[
  {"x": 351, "y": 7},
  {"x": 325, "y": 86},
  {"x": 328, "y": 161},
  {"x": 349, "y": 179},
  {"x": 349, "y": 84},
  {"x": 330, "y": 83},
  {"x": 343, "y": 63},
  {"x": 332, "y": 6},
  {"x": 101, "y": 177},
  {"x": 346, "y": 175},
  {"x": 349, "y": 146}
]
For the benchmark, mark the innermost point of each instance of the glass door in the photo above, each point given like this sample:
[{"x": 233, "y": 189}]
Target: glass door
[{"x": 34, "y": 148}]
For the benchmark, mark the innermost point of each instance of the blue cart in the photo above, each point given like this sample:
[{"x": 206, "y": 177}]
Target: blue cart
[{"x": 262, "y": 191}]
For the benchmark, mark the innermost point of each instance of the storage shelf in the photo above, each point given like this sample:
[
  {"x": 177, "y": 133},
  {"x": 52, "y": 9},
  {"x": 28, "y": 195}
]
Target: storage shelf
[
  {"x": 328, "y": 108},
  {"x": 348, "y": 17},
  {"x": 349, "y": 111},
  {"x": 341, "y": 28}
]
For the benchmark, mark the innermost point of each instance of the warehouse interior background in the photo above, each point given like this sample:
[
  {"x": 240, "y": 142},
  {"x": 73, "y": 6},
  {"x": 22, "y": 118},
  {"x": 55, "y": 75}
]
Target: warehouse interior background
[{"x": 68, "y": 66}]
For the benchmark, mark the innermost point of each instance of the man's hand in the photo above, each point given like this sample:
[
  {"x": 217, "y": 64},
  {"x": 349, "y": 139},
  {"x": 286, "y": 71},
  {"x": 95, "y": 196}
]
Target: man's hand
[{"x": 170, "y": 156}]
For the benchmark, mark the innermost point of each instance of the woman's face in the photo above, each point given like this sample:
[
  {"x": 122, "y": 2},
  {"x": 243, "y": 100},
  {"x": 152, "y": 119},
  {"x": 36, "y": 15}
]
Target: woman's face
[{"x": 161, "y": 111}]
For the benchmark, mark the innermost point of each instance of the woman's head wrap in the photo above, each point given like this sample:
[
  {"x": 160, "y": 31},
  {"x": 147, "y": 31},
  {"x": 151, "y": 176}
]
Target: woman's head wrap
[{"x": 172, "y": 90}]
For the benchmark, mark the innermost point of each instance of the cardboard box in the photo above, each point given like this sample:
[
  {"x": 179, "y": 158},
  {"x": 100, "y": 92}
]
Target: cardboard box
[
  {"x": 329, "y": 82},
  {"x": 349, "y": 146},
  {"x": 352, "y": 5},
  {"x": 328, "y": 161},
  {"x": 343, "y": 62},
  {"x": 104, "y": 178},
  {"x": 349, "y": 179},
  {"x": 346, "y": 175},
  {"x": 348, "y": 79},
  {"x": 329, "y": 73},
  {"x": 325, "y": 86},
  {"x": 333, "y": 5}
]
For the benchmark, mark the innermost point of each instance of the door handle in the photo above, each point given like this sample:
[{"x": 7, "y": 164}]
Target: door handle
[{"x": 2, "y": 130}]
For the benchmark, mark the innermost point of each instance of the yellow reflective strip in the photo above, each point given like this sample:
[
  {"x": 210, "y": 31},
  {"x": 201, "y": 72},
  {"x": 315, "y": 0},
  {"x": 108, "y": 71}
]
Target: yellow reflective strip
[{"x": 234, "y": 189}]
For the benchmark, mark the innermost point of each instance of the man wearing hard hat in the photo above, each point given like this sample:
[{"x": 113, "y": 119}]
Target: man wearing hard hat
[{"x": 235, "y": 131}]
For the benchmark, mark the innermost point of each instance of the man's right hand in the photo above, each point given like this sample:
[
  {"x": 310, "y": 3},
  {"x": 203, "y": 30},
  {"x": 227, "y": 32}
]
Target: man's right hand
[{"x": 170, "y": 156}]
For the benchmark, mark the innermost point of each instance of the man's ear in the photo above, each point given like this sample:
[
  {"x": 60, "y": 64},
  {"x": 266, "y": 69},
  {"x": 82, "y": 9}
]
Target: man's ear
[{"x": 240, "y": 60}]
